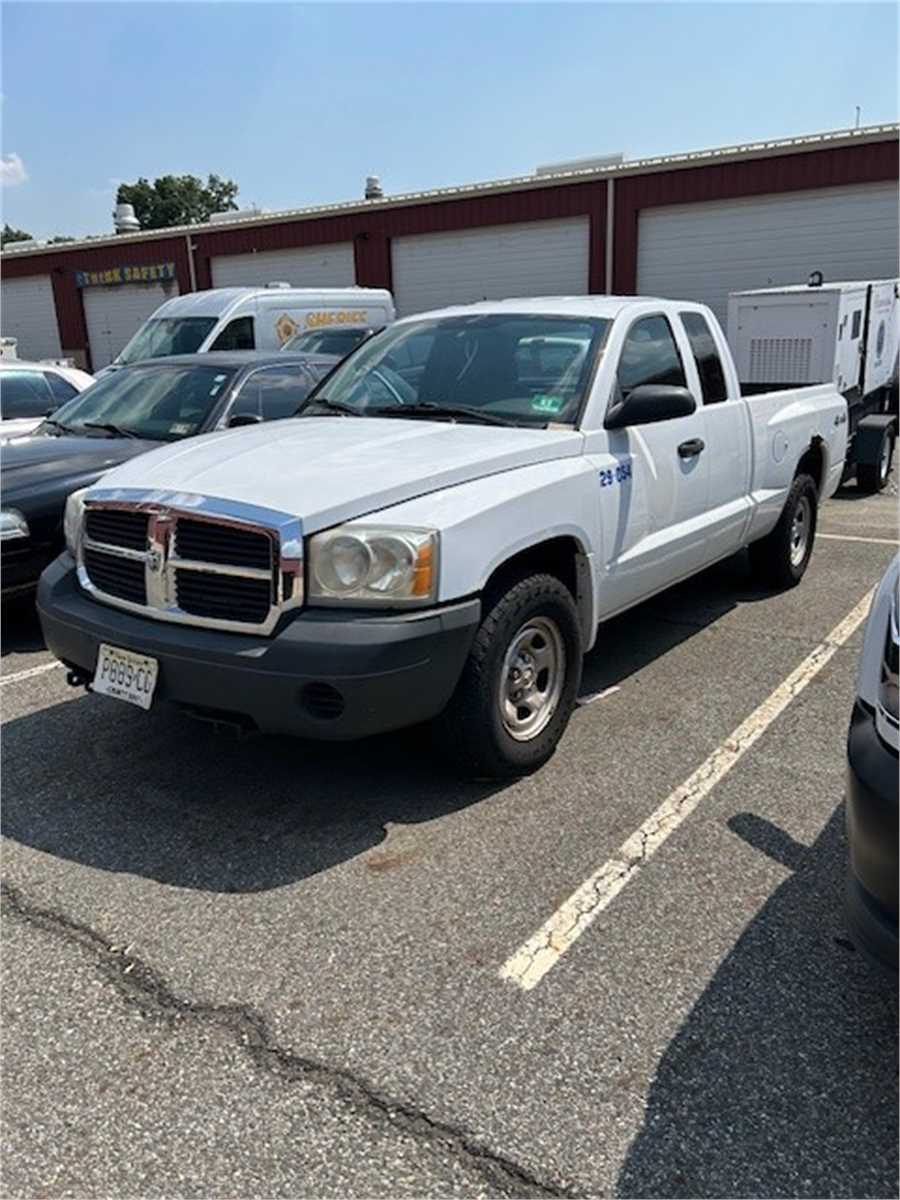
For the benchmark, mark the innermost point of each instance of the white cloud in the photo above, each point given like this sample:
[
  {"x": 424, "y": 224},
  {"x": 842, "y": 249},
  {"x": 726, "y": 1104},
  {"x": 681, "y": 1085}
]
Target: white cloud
[{"x": 12, "y": 171}]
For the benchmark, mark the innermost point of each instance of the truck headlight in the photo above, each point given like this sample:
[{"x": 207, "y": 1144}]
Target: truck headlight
[
  {"x": 12, "y": 525},
  {"x": 73, "y": 519},
  {"x": 364, "y": 565}
]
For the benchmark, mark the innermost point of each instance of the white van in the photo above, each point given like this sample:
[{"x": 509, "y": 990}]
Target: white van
[{"x": 250, "y": 318}]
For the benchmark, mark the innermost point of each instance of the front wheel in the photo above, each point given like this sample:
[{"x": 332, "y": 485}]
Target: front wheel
[
  {"x": 520, "y": 682},
  {"x": 780, "y": 558}
]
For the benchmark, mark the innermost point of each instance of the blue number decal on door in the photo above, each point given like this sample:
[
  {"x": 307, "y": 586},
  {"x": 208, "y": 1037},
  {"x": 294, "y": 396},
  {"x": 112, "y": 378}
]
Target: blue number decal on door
[{"x": 618, "y": 474}]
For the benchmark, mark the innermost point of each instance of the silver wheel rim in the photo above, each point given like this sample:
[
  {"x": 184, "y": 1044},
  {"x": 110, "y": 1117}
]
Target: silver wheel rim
[
  {"x": 531, "y": 680},
  {"x": 800, "y": 528},
  {"x": 886, "y": 457}
]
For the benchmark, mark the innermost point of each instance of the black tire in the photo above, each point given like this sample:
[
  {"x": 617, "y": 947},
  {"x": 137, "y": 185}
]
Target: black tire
[
  {"x": 871, "y": 477},
  {"x": 471, "y": 731},
  {"x": 773, "y": 557}
]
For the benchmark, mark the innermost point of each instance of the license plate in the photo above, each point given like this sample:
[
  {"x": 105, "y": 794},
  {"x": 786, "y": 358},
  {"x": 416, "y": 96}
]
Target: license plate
[{"x": 125, "y": 676}]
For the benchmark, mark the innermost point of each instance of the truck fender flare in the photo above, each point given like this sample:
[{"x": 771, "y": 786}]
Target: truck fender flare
[{"x": 585, "y": 584}]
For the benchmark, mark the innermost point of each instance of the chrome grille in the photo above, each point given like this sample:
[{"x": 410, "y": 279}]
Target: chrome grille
[
  {"x": 191, "y": 559},
  {"x": 224, "y": 596},
  {"x": 203, "y": 541},
  {"x": 121, "y": 577},
  {"x": 116, "y": 527}
]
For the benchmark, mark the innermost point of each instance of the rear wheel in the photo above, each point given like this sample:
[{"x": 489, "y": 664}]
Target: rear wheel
[
  {"x": 872, "y": 476},
  {"x": 519, "y": 685},
  {"x": 780, "y": 559}
]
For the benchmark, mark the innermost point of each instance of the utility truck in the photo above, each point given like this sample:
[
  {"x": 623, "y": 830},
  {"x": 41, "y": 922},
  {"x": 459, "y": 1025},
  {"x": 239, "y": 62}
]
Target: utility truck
[{"x": 441, "y": 534}]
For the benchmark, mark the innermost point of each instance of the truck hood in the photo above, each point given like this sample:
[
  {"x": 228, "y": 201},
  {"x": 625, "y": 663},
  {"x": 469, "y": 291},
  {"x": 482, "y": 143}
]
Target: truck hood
[{"x": 325, "y": 470}]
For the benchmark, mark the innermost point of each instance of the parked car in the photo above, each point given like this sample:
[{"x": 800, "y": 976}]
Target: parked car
[
  {"x": 252, "y": 318},
  {"x": 31, "y": 391},
  {"x": 444, "y": 528},
  {"x": 872, "y": 789},
  {"x": 124, "y": 415},
  {"x": 338, "y": 341}
]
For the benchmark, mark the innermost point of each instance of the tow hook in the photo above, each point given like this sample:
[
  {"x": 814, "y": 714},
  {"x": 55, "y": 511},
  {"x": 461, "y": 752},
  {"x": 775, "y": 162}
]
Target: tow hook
[{"x": 75, "y": 678}]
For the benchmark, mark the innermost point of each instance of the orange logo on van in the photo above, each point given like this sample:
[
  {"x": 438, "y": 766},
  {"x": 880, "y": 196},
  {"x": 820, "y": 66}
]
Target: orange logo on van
[{"x": 285, "y": 327}]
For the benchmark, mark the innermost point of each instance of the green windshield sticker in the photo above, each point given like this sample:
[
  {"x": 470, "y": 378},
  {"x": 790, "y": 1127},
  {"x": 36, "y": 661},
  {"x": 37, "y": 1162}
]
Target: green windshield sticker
[{"x": 546, "y": 404}]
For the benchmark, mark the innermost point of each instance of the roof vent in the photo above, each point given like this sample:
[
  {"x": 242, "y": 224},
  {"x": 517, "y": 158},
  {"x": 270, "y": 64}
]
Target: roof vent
[
  {"x": 373, "y": 188},
  {"x": 24, "y": 244},
  {"x": 124, "y": 219},
  {"x": 581, "y": 164},
  {"x": 235, "y": 214}
]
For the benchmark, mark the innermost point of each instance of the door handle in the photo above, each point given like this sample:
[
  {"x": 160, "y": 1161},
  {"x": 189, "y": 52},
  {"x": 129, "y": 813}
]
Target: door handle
[{"x": 689, "y": 449}]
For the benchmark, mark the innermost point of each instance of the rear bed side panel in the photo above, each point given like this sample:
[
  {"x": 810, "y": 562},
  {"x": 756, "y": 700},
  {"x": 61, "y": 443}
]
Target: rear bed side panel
[{"x": 785, "y": 425}]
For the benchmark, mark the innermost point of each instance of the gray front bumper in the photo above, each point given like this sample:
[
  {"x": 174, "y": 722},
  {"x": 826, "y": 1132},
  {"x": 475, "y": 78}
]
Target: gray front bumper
[{"x": 323, "y": 675}]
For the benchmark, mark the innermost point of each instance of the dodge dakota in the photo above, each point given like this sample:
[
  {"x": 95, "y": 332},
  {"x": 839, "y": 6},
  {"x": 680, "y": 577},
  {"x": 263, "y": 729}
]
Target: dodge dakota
[{"x": 443, "y": 531}]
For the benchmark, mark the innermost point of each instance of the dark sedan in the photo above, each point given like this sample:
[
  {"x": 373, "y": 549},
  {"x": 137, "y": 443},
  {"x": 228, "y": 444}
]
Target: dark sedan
[{"x": 125, "y": 414}]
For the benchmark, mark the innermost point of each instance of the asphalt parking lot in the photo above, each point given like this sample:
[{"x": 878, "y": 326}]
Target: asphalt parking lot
[{"x": 268, "y": 968}]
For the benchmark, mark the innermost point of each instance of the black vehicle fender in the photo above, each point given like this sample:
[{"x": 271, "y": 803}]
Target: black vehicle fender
[{"x": 869, "y": 434}]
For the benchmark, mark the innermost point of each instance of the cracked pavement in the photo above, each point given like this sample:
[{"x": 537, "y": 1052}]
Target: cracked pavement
[{"x": 266, "y": 969}]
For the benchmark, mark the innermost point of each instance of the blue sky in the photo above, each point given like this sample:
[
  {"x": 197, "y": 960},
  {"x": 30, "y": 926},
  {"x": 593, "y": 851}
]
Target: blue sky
[{"x": 298, "y": 103}]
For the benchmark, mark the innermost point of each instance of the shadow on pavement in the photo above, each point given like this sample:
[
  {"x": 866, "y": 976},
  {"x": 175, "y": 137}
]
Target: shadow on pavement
[
  {"x": 20, "y": 629},
  {"x": 165, "y": 797},
  {"x": 783, "y": 1079}
]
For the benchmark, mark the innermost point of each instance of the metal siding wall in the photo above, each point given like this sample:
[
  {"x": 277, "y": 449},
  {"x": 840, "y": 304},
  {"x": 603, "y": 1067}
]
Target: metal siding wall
[
  {"x": 704, "y": 251},
  {"x": 874, "y": 161}
]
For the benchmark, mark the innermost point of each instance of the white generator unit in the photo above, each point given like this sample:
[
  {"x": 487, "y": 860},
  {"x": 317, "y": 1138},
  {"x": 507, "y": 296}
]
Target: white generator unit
[{"x": 842, "y": 333}]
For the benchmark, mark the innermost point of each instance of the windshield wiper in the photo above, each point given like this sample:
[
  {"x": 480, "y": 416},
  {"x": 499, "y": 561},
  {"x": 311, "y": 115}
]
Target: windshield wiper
[
  {"x": 332, "y": 406},
  {"x": 432, "y": 410},
  {"x": 59, "y": 425},
  {"x": 109, "y": 427}
]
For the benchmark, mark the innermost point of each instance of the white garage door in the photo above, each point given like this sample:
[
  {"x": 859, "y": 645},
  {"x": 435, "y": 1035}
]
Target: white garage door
[
  {"x": 313, "y": 266},
  {"x": 114, "y": 315},
  {"x": 28, "y": 313},
  {"x": 704, "y": 251},
  {"x": 538, "y": 258}
]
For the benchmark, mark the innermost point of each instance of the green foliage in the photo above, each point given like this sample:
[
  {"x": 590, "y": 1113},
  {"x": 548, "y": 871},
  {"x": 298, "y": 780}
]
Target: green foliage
[
  {"x": 13, "y": 235},
  {"x": 177, "y": 199}
]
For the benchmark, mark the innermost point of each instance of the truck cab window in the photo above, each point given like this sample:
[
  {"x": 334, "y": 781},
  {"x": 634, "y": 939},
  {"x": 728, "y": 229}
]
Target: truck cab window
[
  {"x": 237, "y": 335},
  {"x": 650, "y": 355},
  {"x": 706, "y": 356}
]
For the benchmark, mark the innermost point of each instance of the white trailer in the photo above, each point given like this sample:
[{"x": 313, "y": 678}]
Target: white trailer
[{"x": 841, "y": 333}]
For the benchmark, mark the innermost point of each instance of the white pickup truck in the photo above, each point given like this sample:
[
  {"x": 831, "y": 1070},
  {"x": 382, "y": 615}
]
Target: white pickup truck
[{"x": 439, "y": 536}]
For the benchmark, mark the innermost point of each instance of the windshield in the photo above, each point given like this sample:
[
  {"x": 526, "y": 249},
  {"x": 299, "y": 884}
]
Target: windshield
[
  {"x": 162, "y": 403},
  {"x": 326, "y": 341},
  {"x": 523, "y": 369},
  {"x": 161, "y": 336}
]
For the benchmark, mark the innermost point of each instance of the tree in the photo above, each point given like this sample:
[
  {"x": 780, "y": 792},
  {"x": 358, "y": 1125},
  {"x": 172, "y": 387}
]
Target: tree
[
  {"x": 177, "y": 199},
  {"x": 14, "y": 235}
]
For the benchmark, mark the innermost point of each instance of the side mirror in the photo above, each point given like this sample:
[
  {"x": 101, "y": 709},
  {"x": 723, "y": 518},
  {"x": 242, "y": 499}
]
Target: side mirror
[
  {"x": 238, "y": 419},
  {"x": 648, "y": 403}
]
